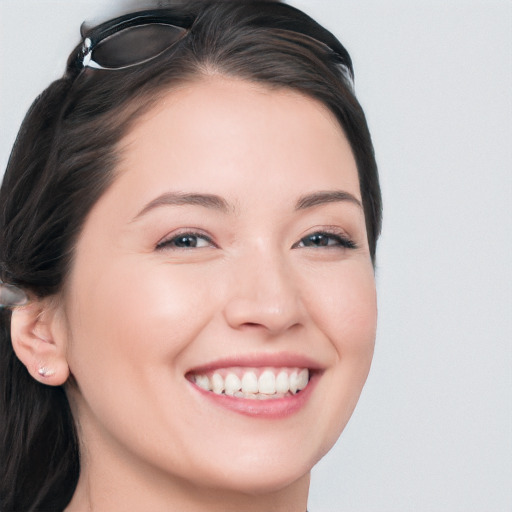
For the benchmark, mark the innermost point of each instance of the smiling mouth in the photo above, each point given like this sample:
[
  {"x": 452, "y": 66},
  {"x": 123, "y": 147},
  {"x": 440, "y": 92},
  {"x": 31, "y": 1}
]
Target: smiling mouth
[{"x": 253, "y": 383}]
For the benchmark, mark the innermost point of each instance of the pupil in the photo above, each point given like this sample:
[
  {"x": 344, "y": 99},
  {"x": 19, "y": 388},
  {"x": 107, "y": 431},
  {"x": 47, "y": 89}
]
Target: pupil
[
  {"x": 186, "y": 241},
  {"x": 320, "y": 240}
]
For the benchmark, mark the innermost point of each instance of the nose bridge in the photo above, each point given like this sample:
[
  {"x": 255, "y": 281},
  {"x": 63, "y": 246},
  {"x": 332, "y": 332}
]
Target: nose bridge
[{"x": 265, "y": 293}]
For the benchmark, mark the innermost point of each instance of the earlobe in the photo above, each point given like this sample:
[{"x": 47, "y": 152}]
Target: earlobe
[{"x": 39, "y": 341}]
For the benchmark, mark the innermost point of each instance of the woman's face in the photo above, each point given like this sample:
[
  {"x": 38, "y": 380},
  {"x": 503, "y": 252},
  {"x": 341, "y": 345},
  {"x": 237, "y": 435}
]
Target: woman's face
[{"x": 230, "y": 251}]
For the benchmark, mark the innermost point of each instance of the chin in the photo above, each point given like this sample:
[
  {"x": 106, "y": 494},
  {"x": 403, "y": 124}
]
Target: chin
[
  {"x": 264, "y": 481},
  {"x": 262, "y": 471}
]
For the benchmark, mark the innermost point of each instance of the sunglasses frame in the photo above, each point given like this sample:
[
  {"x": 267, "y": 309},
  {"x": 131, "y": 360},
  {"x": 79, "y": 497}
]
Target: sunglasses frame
[
  {"x": 96, "y": 36},
  {"x": 265, "y": 15}
]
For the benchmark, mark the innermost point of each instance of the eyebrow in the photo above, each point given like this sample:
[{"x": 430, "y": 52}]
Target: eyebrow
[
  {"x": 210, "y": 201},
  {"x": 323, "y": 197},
  {"x": 216, "y": 202}
]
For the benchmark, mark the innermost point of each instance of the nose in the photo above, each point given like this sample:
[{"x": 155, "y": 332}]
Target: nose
[{"x": 264, "y": 294}]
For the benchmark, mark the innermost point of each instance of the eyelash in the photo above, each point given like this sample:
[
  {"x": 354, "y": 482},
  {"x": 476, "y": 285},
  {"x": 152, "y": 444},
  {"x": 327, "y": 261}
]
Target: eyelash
[
  {"x": 340, "y": 240},
  {"x": 170, "y": 242}
]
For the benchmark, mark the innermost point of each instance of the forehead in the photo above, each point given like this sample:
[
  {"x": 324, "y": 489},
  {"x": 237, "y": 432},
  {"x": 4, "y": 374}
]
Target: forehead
[{"x": 221, "y": 134}]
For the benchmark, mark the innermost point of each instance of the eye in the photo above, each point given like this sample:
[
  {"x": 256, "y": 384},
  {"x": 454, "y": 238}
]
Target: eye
[
  {"x": 186, "y": 241},
  {"x": 320, "y": 239}
]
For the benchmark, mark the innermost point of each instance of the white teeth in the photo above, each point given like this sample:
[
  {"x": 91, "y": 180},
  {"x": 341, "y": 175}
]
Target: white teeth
[
  {"x": 298, "y": 380},
  {"x": 282, "y": 382},
  {"x": 303, "y": 379},
  {"x": 267, "y": 383},
  {"x": 217, "y": 383},
  {"x": 249, "y": 383},
  {"x": 203, "y": 382},
  {"x": 294, "y": 382},
  {"x": 246, "y": 384},
  {"x": 250, "y": 396},
  {"x": 232, "y": 384}
]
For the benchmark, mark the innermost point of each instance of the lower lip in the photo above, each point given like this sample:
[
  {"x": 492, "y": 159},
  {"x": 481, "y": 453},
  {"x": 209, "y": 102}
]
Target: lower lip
[{"x": 271, "y": 408}]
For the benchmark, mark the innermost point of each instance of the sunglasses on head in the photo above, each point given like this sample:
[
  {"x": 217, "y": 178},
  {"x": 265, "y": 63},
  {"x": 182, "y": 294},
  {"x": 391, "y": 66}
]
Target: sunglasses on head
[
  {"x": 132, "y": 39},
  {"x": 139, "y": 37}
]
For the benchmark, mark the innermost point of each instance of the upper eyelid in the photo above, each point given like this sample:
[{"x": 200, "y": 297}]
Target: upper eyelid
[
  {"x": 191, "y": 232},
  {"x": 327, "y": 230}
]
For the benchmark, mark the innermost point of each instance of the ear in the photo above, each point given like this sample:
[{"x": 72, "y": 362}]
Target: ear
[{"x": 39, "y": 339}]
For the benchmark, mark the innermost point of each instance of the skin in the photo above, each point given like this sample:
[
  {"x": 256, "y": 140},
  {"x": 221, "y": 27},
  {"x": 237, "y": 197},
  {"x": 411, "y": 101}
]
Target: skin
[{"x": 137, "y": 315}]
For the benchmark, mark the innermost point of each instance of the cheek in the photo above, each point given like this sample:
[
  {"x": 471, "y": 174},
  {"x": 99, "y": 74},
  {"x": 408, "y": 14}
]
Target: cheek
[
  {"x": 130, "y": 325},
  {"x": 346, "y": 309},
  {"x": 135, "y": 316},
  {"x": 347, "y": 315},
  {"x": 353, "y": 317}
]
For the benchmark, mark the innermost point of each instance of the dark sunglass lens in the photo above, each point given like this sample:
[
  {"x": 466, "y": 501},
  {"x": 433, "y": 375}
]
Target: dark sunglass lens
[{"x": 136, "y": 44}]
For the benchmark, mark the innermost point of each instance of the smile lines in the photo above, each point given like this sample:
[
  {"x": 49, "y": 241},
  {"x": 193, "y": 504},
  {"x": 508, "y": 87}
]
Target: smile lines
[{"x": 253, "y": 383}]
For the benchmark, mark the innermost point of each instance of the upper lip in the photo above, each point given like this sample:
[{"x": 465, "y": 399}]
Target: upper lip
[{"x": 271, "y": 360}]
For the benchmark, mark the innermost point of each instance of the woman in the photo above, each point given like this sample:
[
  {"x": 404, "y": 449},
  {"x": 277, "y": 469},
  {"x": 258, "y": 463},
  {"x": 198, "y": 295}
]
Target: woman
[{"x": 188, "y": 230}]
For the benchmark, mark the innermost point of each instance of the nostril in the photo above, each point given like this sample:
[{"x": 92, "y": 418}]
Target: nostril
[{"x": 251, "y": 325}]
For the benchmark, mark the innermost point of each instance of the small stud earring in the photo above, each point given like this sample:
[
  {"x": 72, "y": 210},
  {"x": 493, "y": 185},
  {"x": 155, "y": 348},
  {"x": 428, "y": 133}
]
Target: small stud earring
[{"x": 45, "y": 372}]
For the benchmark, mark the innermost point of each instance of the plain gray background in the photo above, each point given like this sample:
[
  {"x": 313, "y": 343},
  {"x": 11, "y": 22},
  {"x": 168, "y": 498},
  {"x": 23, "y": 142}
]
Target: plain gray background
[{"x": 433, "y": 429}]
